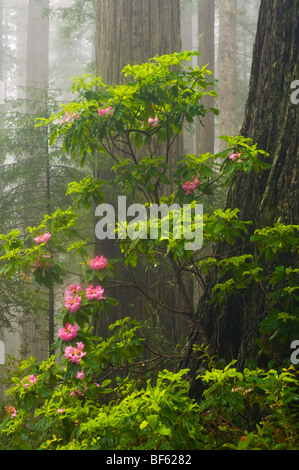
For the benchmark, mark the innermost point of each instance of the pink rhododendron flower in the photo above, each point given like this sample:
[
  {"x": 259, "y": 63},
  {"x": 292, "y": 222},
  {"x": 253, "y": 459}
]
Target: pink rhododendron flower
[
  {"x": 38, "y": 263},
  {"x": 72, "y": 303},
  {"x": 11, "y": 411},
  {"x": 75, "y": 392},
  {"x": 80, "y": 375},
  {"x": 72, "y": 299},
  {"x": 78, "y": 392},
  {"x": 94, "y": 293},
  {"x": 234, "y": 156},
  {"x": 153, "y": 122},
  {"x": 74, "y": 354},
  {"x": 68, "y": 116},
  {"x": 98, "y": 263},
  {"x": 190, "y": 186},
  {"x": 68, "y": 333},
  {"x": 73, "y": 289},
  {"x": 42, "y": 238},
  {"x": 103, "y": 112},
  {"x": 32, "y": 380},
  {"x": 60, "y": 410}
]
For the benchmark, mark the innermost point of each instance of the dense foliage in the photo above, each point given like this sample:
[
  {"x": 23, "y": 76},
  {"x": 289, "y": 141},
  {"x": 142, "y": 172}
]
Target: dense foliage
[{"x": 102, "y": 394}]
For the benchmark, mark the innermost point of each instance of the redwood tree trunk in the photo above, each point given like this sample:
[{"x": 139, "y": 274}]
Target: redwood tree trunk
[
  {"x": 132, "y": 32},
  {"x": 39, "y": 331},
  {"x": 206, "y": 45},
  {"x": 227, "y": 88},
  {"x": 272, "y": 121}
]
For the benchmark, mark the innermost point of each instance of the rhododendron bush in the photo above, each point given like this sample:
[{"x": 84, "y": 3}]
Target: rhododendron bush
[{"x": 112, "y": 393}]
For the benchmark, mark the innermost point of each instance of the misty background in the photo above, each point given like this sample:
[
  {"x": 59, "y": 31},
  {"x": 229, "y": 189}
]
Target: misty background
[{"x": 43, "y": 45}]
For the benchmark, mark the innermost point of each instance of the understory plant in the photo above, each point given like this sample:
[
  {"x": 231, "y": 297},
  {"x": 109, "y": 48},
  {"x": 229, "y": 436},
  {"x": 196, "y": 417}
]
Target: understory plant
[
  {"x": 78, "y": 399},
  {"x": 96, "y": 393}
]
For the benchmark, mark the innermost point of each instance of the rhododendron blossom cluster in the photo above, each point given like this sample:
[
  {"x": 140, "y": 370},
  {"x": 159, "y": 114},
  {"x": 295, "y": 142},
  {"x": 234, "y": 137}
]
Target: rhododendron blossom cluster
[
  {"x": 32, "y": 380},
  {"x": 80, "y": 375},
  {"x": 72, "y": 299},
  {"x": 72, "y": 302},
  {"x": 74, "y": 288},
  {"x": 68, "y": 333},
  {"x": 98, "y": 263},
  {"x": 42, "y": 238},
  {"x": 74, "y": 354},
  {"x": 94, "y": 293},
  {"x": 68, "y": 116},
  {"x": 153, "y": 122},
  {"x": 73, "y": 296},
  {"x": 39, "y": 264},
  {"x": 103, "y": 112},
  {"x": 11, "y": 411},
  {"x": 190, "y": 186},
  {"x": 234, "y": 156},
  {"x": 78, "y": 392}
]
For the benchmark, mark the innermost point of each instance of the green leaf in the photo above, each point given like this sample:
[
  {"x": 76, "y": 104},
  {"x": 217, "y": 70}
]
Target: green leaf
[
  {"x": 153, "y": 421},
  {"x": 143, "y": 424}
]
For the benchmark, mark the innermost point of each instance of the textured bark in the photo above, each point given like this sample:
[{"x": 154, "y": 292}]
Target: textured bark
[
  {"x": 38, "y": 333},
  {"x": 131, "y": 32},
  {"x": 227, "y": 88},
  {"x": 272, "y": 121},
  {"x": 206, "y": 44}
]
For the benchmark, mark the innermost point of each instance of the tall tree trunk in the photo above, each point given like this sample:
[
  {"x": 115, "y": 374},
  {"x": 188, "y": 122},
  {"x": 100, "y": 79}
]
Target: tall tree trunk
[
  {"x": 206, "y": 44},
  {"x": 21, "y": 49},
  {"x": 271, "y": 118},
  {"x": 131, "y": 32},
  {"x": 272, "y": 121},
  {"x": 189, "y": 37},
  {"x": 227, "y": 68},
  {"x": 37, "y": 46},
  {"x": 39, "y": 331}
]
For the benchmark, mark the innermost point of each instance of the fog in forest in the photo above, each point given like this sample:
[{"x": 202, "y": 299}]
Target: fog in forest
[
  {"x": 43, "y": 45},
  {"x": 149, "y": 234}
]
